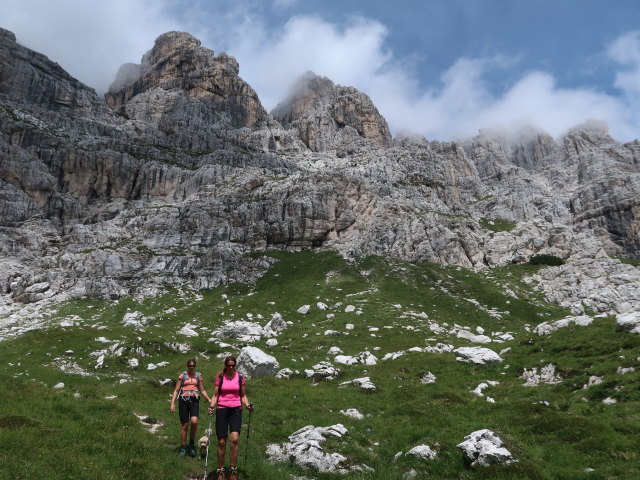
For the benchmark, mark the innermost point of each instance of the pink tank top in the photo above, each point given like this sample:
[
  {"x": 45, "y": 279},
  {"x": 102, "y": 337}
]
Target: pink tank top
[{"x": 230, "y": 391}]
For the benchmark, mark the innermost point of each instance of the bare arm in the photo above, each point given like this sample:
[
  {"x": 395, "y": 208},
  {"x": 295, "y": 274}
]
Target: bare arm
[
  {"x": 172, "y": 407},
  {"x": 244, "y": 399},
  {"x": 213, "y": 402}
]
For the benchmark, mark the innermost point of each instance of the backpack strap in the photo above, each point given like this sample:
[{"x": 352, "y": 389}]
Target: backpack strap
[{"x": 240, "y": 378}]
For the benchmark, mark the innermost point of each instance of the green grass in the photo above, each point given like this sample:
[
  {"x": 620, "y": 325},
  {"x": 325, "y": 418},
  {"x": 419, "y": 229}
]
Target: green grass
[
  {"x": 78, "y": 432},
  {"x": 497, "y": 224}
]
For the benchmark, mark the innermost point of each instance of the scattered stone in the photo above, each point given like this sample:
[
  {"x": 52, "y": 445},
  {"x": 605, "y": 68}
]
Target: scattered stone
[
  {"x": 477, "y": 355},
  {"x": 547, "y": 376},
  {"x": 284, "y": 373},
  {"x": 428, "y": 378},
  {"x": 349, "y": 326},
  {"x": 547, "y": 328},
  {"x": 272, "y": 342},
  {"x": 254, "y": 363},
  {"x": 59, "y": 385},
  {"x": 304, "y": 449},
  {"x": 609, "y": 401},
  {"x": 364, "y": 383},
  {"x": 353, "y": 413},
  {"x": 593, "y": 380},
  {"x": 275, "y": 326},
  {"x": 133, "y": 362},
  {"x": 349, "y": 309},
  {"x": 334, "y": 351},
  {"x": 134, "y": 319},
  {"x": 423, "y": 452},
  {"x": 322, "y": 306},
  {"x": 624, "y": 371},
  {"x": 367, "y": 358},
  {"x": 484, "y": 385},
  {"x": 188, "y": 331},
  {"x": 241, "y": 331},
  {"x": 345, "y": 360},
  {"x": 467, "y": 335},
  {"x": 323, "y": 371},
  {"x": 484, "y": 448},
  {"x": 332, "y": 333},
  {"x": 304, "y": 309}
]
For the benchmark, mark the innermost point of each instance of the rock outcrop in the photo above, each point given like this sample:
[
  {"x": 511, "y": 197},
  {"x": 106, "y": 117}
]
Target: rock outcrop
[{"x": 328, "y": 116}]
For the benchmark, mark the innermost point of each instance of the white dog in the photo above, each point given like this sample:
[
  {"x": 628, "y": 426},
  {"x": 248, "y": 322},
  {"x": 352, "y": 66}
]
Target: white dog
[{"x": 204, "y": 442}]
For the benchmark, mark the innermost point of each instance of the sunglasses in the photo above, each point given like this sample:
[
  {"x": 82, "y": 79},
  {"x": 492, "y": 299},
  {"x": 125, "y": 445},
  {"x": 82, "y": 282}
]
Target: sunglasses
[
  {"x": 231, "y": 365},
  {"x": 191, "y": 366}
]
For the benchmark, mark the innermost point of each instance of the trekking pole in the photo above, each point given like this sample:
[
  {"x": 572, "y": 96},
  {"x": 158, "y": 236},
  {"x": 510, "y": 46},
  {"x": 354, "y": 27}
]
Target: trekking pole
[
  {"x": 206, "y": 458},
  {"x": 246, "y": 449}
]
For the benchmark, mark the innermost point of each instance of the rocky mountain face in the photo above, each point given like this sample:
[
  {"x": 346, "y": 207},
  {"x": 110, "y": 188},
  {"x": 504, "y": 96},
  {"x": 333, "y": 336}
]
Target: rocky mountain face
[{"x": 179, "y": 173}]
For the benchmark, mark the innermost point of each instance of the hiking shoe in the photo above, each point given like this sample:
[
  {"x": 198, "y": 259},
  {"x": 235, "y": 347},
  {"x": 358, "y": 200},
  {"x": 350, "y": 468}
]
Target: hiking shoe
[
  {"x": 233, "y": 473},
  {"x": 220, "y": 474},
  {"x": 183, "y": 451},
  {"x": 192, "y": 450}
]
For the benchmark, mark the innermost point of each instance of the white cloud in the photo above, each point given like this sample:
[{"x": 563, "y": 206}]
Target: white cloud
[
  {"x": 89, "y": 39},
  {"x": 626, "y": 52}
]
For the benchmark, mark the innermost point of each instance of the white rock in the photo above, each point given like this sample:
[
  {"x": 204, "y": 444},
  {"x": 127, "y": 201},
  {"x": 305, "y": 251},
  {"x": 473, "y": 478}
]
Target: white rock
[
  {"x": 349, "y": 326},
  {"x": 241, "y": 331},
  {"x": 593, "y": 380},
  {"x": 353, "y": 413},
  {"x": 284, "y": 373},
  {"x": 485, "y": 448},
  {"x": 322, "y": 371},
  {"x": 305, "y": 450},
  {"x": 547, "y": 328},
  {"x": 367, "y": 358},
  {"x": 609, "y": 401},
  {"x": 334, "y": 351},
  {"x": 100, "y": 362},
  {"x": 59, "y": 385},
  {"x": 477, "y": 355},
  {"x": 134, "y": 319},
  {"x": 304, "y": 309},
  {"x": 272, "y": 342},
  {"x": 133, "y": 362},
  {"x": 428, "y": 378},
  {"x": 345, "y": 360},
  {"x": 624, "y": 371},
  {"x": 628, "y": 322},
  {"x": 275, "y": 326},
  {"x": 331, "y": 333},
  {"x": 423, "y": 451},
  {"x": 188, "y": 331},
  {"x": 467, "y": 335},
  {"x": 322, "y": 306},
  {"x": 349, "y": 309},
  {"x": 364, "y": 383},
  {"x": 547, "y": 376},
  {"x": 254, "y": 363}
]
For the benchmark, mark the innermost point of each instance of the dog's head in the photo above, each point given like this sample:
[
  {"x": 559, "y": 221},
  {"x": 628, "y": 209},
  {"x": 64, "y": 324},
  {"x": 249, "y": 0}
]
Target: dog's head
[{"x": 203, "y": 442}]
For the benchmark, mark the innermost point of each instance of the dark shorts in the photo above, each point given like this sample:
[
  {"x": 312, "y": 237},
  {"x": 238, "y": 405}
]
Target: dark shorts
[
  {"x": 228, "y": 419},
  {"x": 188, "y": 409}
]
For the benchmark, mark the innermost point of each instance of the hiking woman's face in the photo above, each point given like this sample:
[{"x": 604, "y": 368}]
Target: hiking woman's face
[{"x": 191, "y": 366}]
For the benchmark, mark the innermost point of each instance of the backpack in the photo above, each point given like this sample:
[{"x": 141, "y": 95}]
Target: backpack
[
  {"x": 184, "y": 377},
  {"x": 240, "y": 378}
]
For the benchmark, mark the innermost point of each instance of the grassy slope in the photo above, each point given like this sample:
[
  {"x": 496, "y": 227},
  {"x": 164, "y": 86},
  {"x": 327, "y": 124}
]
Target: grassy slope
[{"x": 76, "y": 432}]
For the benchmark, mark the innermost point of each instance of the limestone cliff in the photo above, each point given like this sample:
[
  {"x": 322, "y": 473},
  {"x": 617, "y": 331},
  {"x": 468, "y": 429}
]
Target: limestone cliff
[{"x": 180, "y": 173}]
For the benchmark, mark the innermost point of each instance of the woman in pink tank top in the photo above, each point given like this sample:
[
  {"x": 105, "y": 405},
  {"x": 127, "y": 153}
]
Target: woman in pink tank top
[{"x": 228, "y": 398}]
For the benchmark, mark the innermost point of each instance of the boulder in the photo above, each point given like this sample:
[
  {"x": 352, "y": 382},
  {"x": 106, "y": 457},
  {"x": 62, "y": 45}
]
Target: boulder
[
  {"x": 254, "y": 363},
  {"x": 628, "y": 322},
  {"x": 275, "y": 326},
  {"x": 547, "y": 376},
  {"x": 241, "y": 331},
  {"x": 484, "y": 448},
  {"x": 477, "y": 355}
]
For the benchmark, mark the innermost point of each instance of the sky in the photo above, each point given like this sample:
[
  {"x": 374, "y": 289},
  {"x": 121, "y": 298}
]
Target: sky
[{"x": 440, "y": 68}]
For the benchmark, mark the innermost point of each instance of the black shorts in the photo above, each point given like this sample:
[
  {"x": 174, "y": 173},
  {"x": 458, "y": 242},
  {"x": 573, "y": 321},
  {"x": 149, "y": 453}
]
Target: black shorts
[
  {"x": 188, "y": 409},
  {"x": 228, "y": 419}
]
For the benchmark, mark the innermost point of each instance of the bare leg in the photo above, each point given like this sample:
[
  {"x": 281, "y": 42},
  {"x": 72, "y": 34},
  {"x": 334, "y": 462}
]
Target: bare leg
[
  {"x": 233, "y": 449},
  {"x": 183, "y": 434},
  {"x": 194, "y": 429},
  {"x": 222, "y": 451}
]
